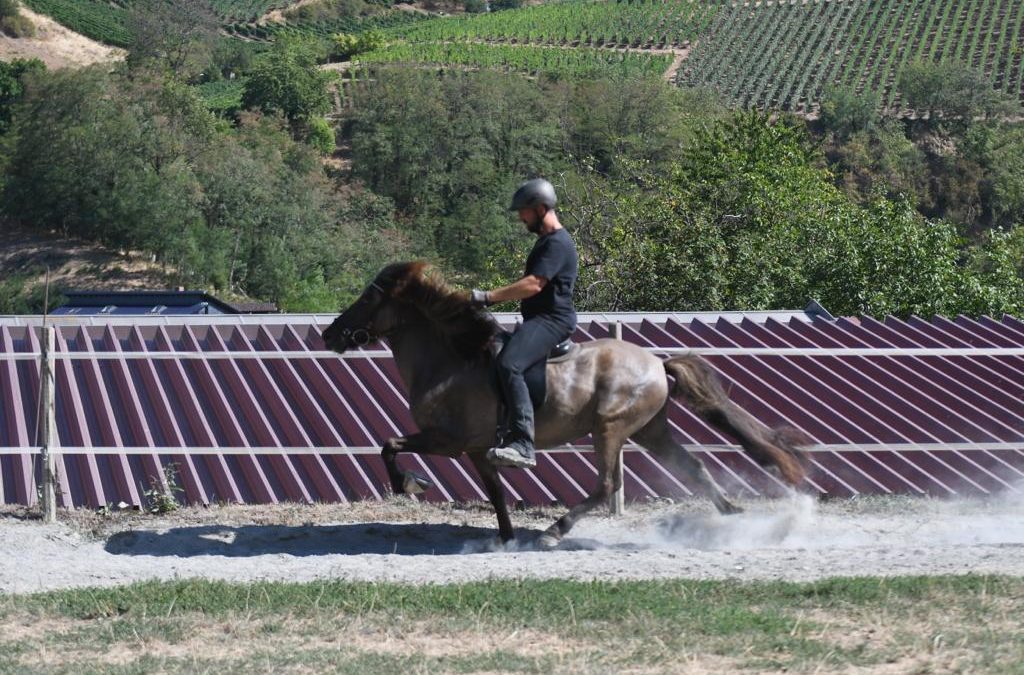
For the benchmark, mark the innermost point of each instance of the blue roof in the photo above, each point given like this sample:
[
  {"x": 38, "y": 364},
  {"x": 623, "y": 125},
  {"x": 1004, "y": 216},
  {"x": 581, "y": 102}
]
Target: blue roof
[{"x": 91, "y": 303}]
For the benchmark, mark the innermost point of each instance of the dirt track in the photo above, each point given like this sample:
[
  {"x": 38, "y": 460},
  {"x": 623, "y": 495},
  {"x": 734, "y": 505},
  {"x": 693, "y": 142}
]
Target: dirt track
[{"x": 409, "y": 542}]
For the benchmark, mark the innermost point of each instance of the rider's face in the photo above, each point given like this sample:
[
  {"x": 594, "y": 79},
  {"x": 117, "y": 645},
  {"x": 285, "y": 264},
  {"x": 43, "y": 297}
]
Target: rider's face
[{"x": 531, "y": 218}]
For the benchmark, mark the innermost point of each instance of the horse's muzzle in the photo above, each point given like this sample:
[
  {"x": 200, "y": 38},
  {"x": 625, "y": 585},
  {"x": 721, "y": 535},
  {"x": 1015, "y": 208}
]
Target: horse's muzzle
[{"x": 346, "y": 338}]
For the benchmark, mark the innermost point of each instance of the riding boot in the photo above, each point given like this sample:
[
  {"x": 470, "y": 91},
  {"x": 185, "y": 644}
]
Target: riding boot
[{"x": 517, "y": 451}]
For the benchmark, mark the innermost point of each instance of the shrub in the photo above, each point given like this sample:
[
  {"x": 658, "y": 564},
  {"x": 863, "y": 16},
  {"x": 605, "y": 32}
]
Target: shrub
[
  {"x": 321, "y": 136},
  {"x": 17, "y": 26}
]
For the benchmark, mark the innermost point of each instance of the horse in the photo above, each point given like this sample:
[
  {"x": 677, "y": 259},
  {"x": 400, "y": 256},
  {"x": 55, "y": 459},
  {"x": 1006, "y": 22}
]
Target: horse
[{"x": 443, "y": 346}]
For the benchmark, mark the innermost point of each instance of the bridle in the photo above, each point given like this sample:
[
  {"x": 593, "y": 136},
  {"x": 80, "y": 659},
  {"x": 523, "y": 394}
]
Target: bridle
[{"x": 360, "y": 337}]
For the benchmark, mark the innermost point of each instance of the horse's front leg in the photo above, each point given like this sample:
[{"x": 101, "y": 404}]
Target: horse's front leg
[
  {"x": 492, "y": 484},
  {"x": 405, "y": 481}
]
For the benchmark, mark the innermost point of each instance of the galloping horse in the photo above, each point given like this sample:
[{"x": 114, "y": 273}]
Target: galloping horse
[{"x": 613, "y": 390}]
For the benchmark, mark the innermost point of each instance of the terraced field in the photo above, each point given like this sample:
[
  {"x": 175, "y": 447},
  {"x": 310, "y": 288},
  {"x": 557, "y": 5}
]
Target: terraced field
[
  {"x": 768, "y": 55},
  {"x": 96, "y": 19},
  {"x": 782, "y": 55},
  {"x": 551, "y": 61},
  {"x": 603, "y": 24}
]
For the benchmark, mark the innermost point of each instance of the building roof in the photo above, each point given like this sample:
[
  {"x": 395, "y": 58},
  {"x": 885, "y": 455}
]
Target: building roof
[
  {"x": 921, "y": 406},
  {"x": 168, "y": 302}
]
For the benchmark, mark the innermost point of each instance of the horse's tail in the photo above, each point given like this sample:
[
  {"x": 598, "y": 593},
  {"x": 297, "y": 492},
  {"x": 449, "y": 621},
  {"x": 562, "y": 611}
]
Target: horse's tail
[{"x": 697, "y": 384}]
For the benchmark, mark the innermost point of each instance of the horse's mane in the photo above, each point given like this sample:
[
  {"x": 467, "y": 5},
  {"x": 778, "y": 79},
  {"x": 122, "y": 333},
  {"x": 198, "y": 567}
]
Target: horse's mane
[{"x": 468, "y": 329}]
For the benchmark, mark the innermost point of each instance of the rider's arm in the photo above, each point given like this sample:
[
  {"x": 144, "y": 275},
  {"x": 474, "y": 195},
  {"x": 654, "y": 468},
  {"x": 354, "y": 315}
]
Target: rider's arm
[{"x": 526, "y": 287}]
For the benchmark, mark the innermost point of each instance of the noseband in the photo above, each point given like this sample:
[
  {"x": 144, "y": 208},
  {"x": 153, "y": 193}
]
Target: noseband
[{"x": 360, "y": 337}]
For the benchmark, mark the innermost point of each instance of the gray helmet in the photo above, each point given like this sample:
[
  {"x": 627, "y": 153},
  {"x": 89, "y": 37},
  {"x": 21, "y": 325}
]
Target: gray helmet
[{"x": 532, "y": 193}]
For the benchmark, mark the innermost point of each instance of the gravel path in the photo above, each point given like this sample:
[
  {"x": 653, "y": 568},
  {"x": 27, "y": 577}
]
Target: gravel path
[{"x": 405, "y": 541}]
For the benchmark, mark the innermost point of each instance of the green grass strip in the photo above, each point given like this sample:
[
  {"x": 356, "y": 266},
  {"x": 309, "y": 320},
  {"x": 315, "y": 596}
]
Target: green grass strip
[{"x": 538, "y": 626}]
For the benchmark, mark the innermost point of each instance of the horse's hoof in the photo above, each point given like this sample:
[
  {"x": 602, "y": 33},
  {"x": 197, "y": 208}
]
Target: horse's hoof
[
  {"x": 414, "y": 484},
  {"x": 547, "y": 541},
  {"x": 729, "y": 509}
]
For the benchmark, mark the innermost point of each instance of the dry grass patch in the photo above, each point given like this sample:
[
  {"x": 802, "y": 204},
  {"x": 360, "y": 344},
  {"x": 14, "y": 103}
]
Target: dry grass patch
[{"x": 56, "y": 46}]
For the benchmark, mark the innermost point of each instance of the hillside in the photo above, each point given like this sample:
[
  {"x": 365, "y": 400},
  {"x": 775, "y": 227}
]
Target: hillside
[
  {"x": 764, "y": 55},
  {"x": 75, "y": 264},
  {"x": 55, "y": 45}
]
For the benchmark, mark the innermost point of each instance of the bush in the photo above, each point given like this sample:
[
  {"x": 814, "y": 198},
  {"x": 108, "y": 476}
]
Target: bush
[
  {"x": 475, "y": 6},
  {"x": 8, "y": 8},
  {"x": 321, "y": 136},
  {"x": 17, "y": 26}
]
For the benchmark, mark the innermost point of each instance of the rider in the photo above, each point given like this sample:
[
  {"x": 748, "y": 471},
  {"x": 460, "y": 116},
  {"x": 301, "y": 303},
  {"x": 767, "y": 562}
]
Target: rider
[{"x": 548, "y": 314}]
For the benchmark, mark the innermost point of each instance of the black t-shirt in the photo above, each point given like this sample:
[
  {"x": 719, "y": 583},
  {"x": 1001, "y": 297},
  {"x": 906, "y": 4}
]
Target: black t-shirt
[{"x": 553, "y": 257}]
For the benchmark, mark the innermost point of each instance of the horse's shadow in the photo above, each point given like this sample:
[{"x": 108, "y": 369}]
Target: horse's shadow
[{"x": 314, "y": 540}]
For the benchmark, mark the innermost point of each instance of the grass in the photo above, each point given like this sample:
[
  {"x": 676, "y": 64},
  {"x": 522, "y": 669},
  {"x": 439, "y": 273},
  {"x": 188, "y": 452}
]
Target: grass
[{"x": 906, "y": 624}]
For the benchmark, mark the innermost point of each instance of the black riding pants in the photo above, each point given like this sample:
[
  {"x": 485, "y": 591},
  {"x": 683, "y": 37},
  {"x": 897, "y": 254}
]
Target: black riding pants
[{"x": 528, "y": 345}]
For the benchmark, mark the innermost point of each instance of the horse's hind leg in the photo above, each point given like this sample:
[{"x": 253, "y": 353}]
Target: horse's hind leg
[
  {"x": 608, "y": 452},
  {"x": 657, "y": 437}
]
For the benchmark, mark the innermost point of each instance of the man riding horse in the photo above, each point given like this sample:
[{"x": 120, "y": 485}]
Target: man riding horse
[
  {"x": 545, "y": 292},
  {"x": 442, "y": 342}
]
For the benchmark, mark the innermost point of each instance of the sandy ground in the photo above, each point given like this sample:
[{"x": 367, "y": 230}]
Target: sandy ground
[
  {"x": 56, "y": 46},
  {"x": 404, "y": 541}
]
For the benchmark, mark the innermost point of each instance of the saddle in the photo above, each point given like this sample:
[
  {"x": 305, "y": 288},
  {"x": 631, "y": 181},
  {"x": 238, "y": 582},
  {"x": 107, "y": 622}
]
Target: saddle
[{"x": 536, "y": 376}]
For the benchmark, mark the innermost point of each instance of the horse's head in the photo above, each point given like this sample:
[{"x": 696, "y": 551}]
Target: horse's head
[
  {"x": 373, "y": 314},
  {"x": 411, "y": 295}
]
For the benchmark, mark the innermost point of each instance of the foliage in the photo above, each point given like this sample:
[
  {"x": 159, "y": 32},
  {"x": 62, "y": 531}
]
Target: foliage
[
  {"x": 454, "y": 179},
  {"x": 12, "y": 74},
  {"x": 175, "y": 34},
  {"x": 846, "y": 112},
  {"x": 347, "y": 45},
  {"x": 98, "y": 19},
  {"x": 582, "y": 63},
  {"x": 951, "y": 91},
  {"x": 321, "y": 136},
  {"x": 161, "y": 497},
  {"x": 224, "y": 97},
  {"x": 17, "y": 26},
  {"x": 880, "y": 159},
  {"x": 595, "y": 23},
  {"x": 286, "y": 80},
  {"x": 748, "y": 219},
  {"x": 19, "y": 294},
  {"x": 144, "y": 165}
]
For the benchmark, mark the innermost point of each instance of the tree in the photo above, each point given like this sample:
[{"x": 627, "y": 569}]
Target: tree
[
  {"x": 346, "y": 45},
  {"x": 176, "y": 34},
  {"x": 285, "y": 80},
  {"x": 748, "y": 219},
  {"x": 953, "y": 92},
  {"x": 845, "y": 112},
  {"x": 12, "y": 85}
]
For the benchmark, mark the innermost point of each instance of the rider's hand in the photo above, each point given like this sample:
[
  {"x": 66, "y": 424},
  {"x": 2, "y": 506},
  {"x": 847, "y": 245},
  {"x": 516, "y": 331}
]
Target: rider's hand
[{"x": 480, "y": 298}]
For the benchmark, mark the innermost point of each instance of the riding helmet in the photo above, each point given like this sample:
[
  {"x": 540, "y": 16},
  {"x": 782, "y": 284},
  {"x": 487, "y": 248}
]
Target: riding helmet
[{"x": 533, "y": 192}]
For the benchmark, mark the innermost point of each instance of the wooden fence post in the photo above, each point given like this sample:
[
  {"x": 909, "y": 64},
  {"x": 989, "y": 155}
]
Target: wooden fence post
[
  {"x": 49, "y": 497},
  {"x": 617, "y": 499}
]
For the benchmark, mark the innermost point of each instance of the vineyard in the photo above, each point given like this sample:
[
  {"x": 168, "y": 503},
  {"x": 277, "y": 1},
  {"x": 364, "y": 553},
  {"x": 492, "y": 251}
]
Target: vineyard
[
  {"x": 551, "y": 61},
  {"x": 622, "y": 24},
  {"x": 96, "y": 19},
  {"x": 784, "y": 55},
  {"x": 777, "y": 55},
  {"x": 387, "y": 19}
]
